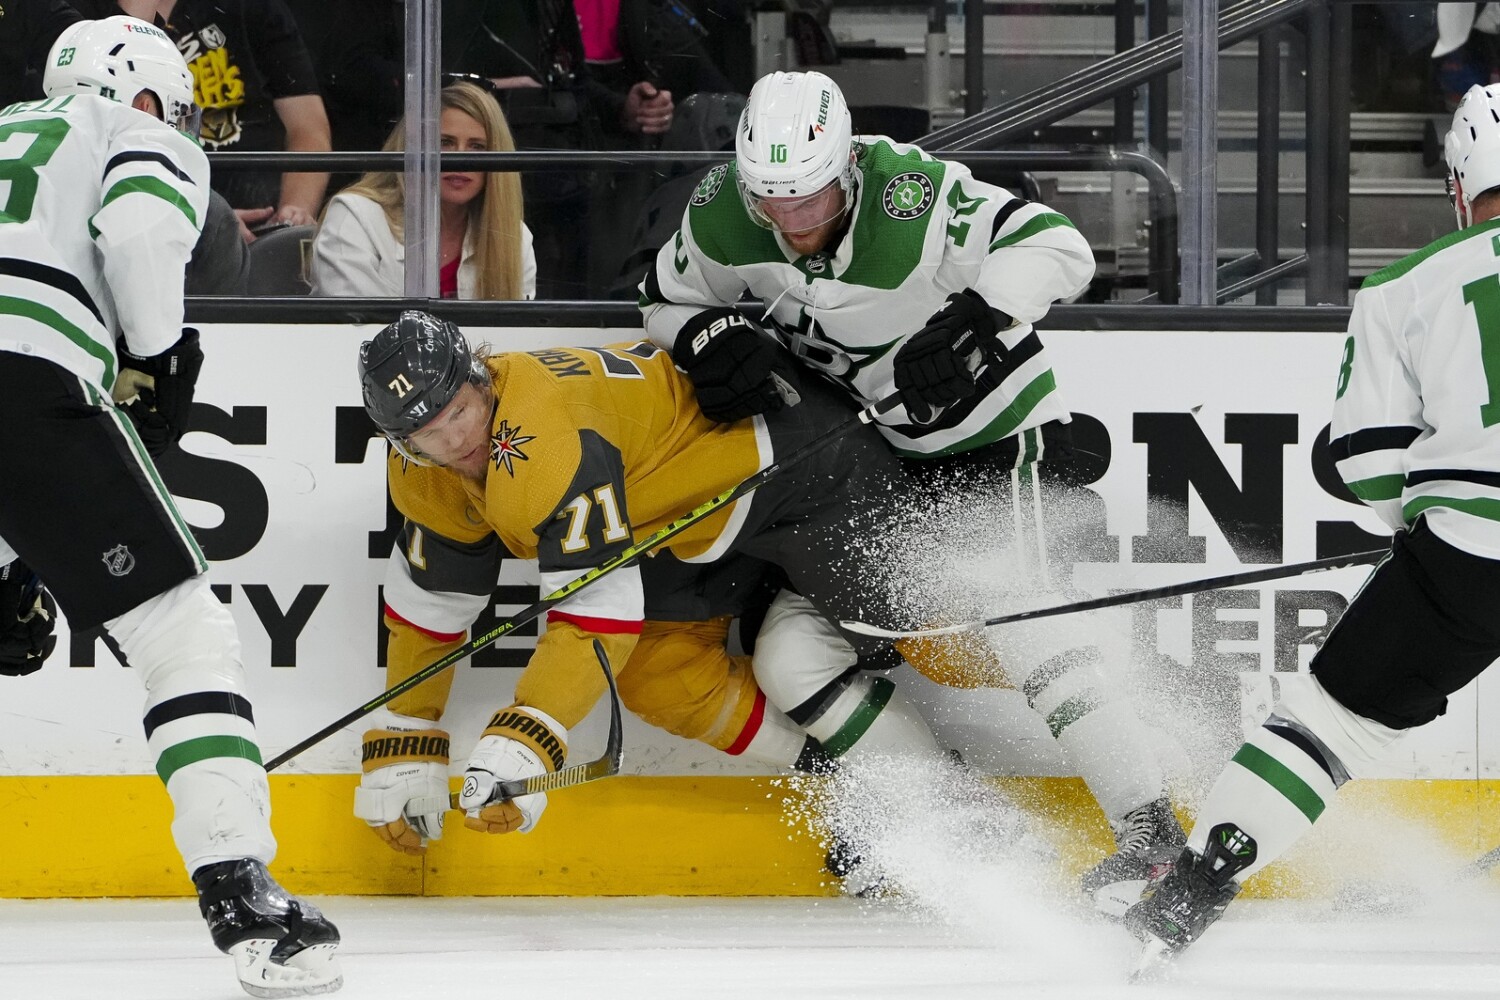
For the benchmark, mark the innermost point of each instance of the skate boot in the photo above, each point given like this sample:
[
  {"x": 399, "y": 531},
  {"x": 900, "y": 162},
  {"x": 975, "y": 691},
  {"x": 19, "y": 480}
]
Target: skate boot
[
  {"x": 1185, "y": 900},
  {"x": 856, "y": 878},
  {"x": 281, "y": 946},
  {"x": 1147, "y": 841}
]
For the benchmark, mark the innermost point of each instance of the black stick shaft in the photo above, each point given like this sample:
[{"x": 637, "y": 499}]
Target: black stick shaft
[
  {"x": 623, "y": 558},
  {"x": 1194, "y": 587}
]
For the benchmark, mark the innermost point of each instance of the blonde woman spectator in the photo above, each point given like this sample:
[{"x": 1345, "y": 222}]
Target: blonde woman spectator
[{"x": 484, "y": 248}]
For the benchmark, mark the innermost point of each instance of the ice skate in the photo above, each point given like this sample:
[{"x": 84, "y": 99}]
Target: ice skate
[
  {"x": 857, "y": 878},
  {"x": 1184, "y": 901},
  {"x": 281, "y": 946},
  {"x": 1147, "y": 841}
]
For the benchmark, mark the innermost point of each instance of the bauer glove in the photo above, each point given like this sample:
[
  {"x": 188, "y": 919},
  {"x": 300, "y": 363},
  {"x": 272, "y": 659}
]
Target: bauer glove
[
  {"x": 737, "y": 369},
  {"x": 403, "y": 794},
  {"x": 520, "y": 742},
  {"x": 27, "y": 617}
]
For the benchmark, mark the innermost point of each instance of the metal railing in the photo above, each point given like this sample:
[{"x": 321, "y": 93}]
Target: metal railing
[
  {"x": 1159, "y": 183},
  {"x": 1329, "y": 29},
  {"x": 565, "y": 314}
]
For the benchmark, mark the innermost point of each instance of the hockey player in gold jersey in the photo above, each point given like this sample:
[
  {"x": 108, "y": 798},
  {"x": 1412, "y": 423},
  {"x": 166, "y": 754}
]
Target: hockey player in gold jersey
[{"x": 567, "y": 456}]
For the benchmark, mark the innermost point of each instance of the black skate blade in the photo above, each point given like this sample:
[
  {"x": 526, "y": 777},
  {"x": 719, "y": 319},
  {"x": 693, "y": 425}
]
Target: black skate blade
[{"x": 1154, "y": 965}]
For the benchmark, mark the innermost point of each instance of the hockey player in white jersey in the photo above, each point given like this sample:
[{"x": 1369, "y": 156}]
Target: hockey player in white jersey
[
  {"x": 102, "y": 197},
  {"x": 891, "y": 271},
  {"x": 1416, "y": 436}
]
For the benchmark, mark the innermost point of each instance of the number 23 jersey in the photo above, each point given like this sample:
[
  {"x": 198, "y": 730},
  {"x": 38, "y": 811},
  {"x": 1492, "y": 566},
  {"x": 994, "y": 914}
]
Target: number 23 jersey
[{"x": 101, "y": 212}]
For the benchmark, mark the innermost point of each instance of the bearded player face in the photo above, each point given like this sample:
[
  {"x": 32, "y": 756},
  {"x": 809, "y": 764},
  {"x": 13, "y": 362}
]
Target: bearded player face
[{"x": 458, "y": 437}]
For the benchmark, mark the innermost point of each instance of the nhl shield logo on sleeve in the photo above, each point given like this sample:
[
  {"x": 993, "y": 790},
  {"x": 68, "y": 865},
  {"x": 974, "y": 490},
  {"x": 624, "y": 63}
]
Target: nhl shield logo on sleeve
[{"x": 118, "y": 561}]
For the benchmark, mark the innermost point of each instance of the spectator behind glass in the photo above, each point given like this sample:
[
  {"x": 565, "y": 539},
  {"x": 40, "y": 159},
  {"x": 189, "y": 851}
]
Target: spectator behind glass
[
  {"x": 650, "y": 54},
  {"x": 485, "y": 248},
  {"x": 534, "y": 54},
  {"x": 254, "y": 80},
  {"x": 356, "y": 50},
  {"x": 27, "y": 30},
  {"x": 1466, "y": 50}
]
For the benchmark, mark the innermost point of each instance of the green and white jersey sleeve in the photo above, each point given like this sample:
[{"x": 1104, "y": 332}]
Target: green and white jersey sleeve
[
  {"x": 1416, "y": 417},
  {"x": 921, "y": 229},
  {"x": 101, "y": 214}
]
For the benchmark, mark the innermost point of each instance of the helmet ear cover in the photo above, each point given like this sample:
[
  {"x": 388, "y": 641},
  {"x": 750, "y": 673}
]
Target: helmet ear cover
[{"x": 411, "y": 370}]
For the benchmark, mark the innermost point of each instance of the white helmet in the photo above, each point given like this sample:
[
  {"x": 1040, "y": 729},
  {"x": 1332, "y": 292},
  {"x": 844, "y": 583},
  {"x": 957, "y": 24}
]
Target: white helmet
[
  {"x": 794, "y": 140},
  {"x": 1472, "y": 150},
  {"x": 117, "y": 58}
]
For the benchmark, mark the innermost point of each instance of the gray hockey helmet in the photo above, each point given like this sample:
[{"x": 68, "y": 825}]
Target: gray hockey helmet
[{"x": 412, "y": 369}]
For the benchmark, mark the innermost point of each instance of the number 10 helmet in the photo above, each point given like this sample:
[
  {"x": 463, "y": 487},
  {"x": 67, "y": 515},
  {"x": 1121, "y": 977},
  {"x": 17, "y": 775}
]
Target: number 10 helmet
[
  {"x": 1472, "y": 150},
  {"x": 794, "y": 140},
  {"x": 117, "y": 58}
]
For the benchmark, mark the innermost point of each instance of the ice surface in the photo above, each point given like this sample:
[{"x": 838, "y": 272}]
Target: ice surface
[{"x": 766, "y": 949}]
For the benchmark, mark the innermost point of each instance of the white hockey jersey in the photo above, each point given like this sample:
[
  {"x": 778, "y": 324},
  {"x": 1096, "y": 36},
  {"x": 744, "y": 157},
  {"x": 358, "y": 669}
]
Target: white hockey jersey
[
  {"x": 922, "y": 228},
  {"x": 100, "y": 208},
  {"x": 1416, "y": 421}
]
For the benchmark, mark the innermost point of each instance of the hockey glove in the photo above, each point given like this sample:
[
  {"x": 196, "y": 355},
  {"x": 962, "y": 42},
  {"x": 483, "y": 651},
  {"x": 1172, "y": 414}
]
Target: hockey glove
[
  {"x": 938, "y": 365},
  {"x": 521, "y": 742},
  {"x": 403, "y": 794},
  {"x": 737, "y": 369},
  {"x": 157, "y": 392},
  {"x": 27, "y": 616}
]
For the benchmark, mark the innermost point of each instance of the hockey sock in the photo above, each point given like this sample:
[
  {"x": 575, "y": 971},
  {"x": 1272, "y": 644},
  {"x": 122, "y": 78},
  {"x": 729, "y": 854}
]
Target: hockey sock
[
  {"x": 199, "y": 724},
  {"x": 864, "y": 711},
  {"x": 1097, "y": 731},
  {"x": 1274, "y": 789}
]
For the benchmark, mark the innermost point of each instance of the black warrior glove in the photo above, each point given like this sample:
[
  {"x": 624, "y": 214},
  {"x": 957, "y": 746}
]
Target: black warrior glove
[
  {"x": 27, "y": 617},
  {"x": 162, "y": 391},
  {"x": 737, "y": 369},
  {"x": 938, "y": 365}
]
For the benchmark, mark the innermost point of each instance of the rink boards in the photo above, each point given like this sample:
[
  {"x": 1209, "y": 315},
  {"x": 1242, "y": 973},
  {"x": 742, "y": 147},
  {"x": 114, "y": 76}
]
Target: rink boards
[{"x": 1208, "y": 458}]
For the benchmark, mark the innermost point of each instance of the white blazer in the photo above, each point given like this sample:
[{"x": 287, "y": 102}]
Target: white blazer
[{"x": 355, "y": 253}]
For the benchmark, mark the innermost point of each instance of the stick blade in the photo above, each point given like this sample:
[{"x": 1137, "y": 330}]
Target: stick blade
[
  {"x": 865, "y": 628},
  {"x": 607, "y": 764}
]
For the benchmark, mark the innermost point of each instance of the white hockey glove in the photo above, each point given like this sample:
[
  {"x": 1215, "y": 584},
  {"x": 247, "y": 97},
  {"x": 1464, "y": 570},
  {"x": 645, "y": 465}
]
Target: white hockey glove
[
  {"x": 520, "y": 742},
  {"x": 404, "y": 792}
]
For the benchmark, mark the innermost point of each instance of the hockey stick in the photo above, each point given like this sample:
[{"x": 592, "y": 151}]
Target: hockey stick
[
  {"x": 1482, "y": 865},
  {"x": 624, "y": 557},
  {"x": 1134, "y": 596},
  {"x": 608, "y": 763}
]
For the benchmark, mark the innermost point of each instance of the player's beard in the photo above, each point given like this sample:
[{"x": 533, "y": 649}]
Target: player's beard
[{"x": 472, "y": 466}]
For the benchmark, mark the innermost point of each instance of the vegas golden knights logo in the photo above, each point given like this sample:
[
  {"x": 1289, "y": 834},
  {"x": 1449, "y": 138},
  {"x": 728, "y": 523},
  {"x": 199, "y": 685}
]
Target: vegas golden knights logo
[{"x": 400, "y": 386}]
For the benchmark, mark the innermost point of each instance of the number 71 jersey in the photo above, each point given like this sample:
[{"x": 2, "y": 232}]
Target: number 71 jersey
[
  {"x": 100, "y": 208},
  {"x": 1416, "y": 421}
]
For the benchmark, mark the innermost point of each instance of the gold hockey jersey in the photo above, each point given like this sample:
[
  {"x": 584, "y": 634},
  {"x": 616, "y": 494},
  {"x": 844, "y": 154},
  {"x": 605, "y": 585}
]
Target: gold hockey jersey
[{"x": 590, "y": 451}]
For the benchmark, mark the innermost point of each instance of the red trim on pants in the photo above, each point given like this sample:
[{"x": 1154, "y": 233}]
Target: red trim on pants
[{"x": 752, "y": 726}]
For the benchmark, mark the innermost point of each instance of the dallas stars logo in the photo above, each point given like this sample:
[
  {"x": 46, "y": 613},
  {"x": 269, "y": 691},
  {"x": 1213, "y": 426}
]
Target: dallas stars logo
[
  {"x": 908, "y": 195},
  {"x": 505, "y": 447}
]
